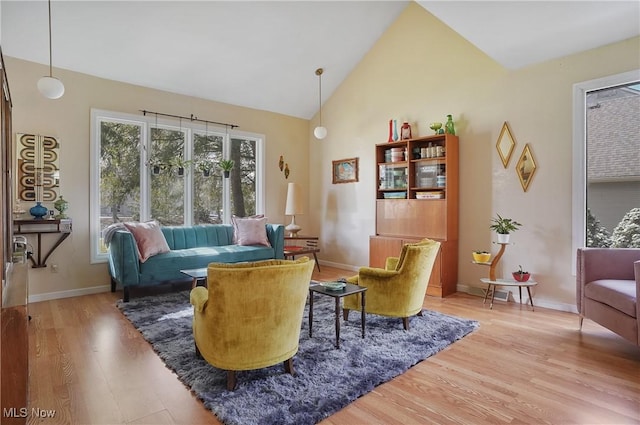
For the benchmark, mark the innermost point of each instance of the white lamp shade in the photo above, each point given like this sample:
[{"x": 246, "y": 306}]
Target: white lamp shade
[
  {"x": 320, "y": 132},
  {"x": 294, "y": 200},
  {"x": 51, "y": 87}
]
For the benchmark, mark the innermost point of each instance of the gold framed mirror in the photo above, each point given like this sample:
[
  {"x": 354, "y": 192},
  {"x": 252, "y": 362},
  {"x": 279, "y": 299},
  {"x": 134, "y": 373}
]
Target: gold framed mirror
[
  {"x": 37, "y": 166},
  {"x": 526, "y": 167},
  {"x": 505, "y": 144}
]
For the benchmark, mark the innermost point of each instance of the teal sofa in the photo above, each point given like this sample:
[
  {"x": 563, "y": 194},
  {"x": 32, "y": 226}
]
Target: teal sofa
[{"x": 192, "y": 247}]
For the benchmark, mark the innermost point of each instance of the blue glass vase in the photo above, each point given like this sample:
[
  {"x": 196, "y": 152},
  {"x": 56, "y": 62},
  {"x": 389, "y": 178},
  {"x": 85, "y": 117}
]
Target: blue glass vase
[{"x": 38, "y": 211}]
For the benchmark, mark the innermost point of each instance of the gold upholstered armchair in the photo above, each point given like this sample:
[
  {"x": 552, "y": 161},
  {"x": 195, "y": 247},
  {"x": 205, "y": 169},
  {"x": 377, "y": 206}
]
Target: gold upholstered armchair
[
  {"x": 250, "y": 314},
  {"x": 399, "y": 289}
]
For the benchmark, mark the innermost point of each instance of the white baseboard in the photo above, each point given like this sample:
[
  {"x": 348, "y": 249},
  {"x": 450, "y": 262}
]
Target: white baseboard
[
  {"x": 340, "y": 266},
  {"x": 68, "y": 294}
]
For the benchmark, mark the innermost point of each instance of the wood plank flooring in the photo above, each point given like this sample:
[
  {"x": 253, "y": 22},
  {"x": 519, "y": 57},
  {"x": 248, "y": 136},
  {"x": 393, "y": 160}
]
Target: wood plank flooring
[{"x": 91, "y": 366}]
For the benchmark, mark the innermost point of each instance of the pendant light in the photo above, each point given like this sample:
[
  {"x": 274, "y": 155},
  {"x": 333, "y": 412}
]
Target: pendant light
[
  {"x": 49, "y": 86},
  {"x": 320, "y": 132}
]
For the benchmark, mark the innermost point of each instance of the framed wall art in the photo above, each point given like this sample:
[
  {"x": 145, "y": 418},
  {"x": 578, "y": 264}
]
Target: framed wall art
[
  {"x": 526, "y": 167},
  {"x": 345, "y": 170},
  {"x": 505, "y": 144}
]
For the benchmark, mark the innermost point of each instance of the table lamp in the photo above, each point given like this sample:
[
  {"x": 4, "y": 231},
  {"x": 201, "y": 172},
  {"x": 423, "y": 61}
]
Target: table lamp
[{"x": 293, "y": 207}]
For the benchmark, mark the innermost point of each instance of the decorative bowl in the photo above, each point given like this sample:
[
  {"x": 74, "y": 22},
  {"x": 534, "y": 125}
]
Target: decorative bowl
[
  {"x": 333, "y": 286},
  {"x": 481, "y": 258},
  {"x": 435, "y": 126},
  {"x": 521, "y": 277}
]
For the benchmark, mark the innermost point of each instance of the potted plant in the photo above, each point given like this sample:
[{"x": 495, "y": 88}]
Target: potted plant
[
  {"x": 521, "y": 276},
  {"x": 503, "y": 227},
  {"x": 226, "y": 165},
  {"x": 481, "y": 256}
]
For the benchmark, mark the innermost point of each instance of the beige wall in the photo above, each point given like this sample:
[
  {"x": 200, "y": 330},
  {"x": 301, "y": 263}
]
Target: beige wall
[
  {"x": 422, "y": 70},
  {"x": 68, "y": 119}
]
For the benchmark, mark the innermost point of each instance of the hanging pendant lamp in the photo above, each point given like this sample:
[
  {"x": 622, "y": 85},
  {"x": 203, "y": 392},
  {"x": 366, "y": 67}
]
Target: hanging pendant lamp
[
  {"x": 320, "y": 132},
  {"x": 50, "y": 86}
]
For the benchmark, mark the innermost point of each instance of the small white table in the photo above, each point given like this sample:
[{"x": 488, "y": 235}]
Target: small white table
[{"x": 507, "y": 282}]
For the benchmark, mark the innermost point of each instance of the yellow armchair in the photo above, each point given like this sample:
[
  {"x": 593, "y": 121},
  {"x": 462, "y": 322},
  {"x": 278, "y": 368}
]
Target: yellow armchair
[
  {"x": 250, "y": 314},
  {"x": 399, "y": 289}
]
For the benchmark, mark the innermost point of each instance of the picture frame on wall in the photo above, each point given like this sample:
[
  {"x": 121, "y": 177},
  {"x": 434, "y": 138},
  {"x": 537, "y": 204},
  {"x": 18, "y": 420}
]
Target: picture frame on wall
[
  {"x": 526, "y": 167},
  {"x": 505, "y": 144},
  {"x": 345, "y": 170}
]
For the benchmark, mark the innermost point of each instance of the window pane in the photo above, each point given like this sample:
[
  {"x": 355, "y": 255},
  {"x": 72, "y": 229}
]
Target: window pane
[
  {"x": 243, "y": 177},
  {"x": 207, "y": 179},
  {"x": 119, "y": 174},
  {"x": 167, "y": 176},
  {"x": 613, "y": 167}
]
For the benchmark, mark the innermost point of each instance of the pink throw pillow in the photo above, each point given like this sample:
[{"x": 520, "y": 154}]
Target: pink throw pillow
[
  {"x": 149, "y": 239},
  {"x": 250, "y": 230}
]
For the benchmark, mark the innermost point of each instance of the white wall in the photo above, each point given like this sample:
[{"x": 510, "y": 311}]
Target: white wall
[{"x": 422, "y": 70}]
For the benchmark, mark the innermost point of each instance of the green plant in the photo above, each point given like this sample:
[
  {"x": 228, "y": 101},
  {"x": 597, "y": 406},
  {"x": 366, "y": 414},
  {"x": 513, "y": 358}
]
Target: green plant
[
  {"x": 226, "y": 164},
  {"x": 519, "y": 271},
  {"x": 504, "y": 226}
]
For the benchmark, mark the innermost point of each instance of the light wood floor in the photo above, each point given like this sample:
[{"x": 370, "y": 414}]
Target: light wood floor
[{"x": 91, "y": 366}]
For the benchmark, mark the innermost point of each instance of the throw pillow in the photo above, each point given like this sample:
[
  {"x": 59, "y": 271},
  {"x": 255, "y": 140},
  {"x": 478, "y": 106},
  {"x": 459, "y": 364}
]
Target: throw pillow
[
  {"x": 250, "y": 230},
  {"x": 149, "y": 239}
]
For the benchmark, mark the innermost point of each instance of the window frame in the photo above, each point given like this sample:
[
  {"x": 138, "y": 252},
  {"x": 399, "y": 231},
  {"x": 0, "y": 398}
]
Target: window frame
[
  {"x": 579, "y": 173},
  {"x": 190, "y": 128}
]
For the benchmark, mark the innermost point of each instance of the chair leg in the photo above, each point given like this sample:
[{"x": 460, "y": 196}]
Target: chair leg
[
  {"x": 419, "y": 313},
  {"x": 125, "y": 298},
  {"x": 198, "y": 353},
  {"x": 113, "y": 285},
  {"x": 405, "y": 323},
  {"x": 231, "y": 380},
  {"x": 288, "y": 366},
  {"x": 345, "y": 314},
  {"x": 580, "y": 319}
]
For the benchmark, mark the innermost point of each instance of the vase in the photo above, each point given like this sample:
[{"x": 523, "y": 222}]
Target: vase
[
  {"x": 395, "y": 130},
  {"x": 38, "y": 211},
  {"x": 61, "y": 205},
  {"x": 449, "y": 128},
  {"x": 390, "y": 131}
]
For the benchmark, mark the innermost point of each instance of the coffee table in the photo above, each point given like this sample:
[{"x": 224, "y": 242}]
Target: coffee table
[
  {"x": 196, "y": 275},
  {"x": 349, "y": 289},
  {"x": 507, "y": 282}
]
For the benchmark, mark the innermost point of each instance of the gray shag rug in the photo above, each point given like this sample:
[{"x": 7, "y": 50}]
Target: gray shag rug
[{"x": 327, "y": 379}]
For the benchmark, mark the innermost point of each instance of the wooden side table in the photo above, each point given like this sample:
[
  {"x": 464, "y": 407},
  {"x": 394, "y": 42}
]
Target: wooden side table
[
  {"x": 301, "y": 245},
  {"x": 507, "y": 282}
]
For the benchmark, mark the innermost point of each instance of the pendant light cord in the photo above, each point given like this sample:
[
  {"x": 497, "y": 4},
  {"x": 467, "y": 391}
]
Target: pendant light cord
[
  {"x": 50, "y": 54},
  {"x": 319, "y": 74}
]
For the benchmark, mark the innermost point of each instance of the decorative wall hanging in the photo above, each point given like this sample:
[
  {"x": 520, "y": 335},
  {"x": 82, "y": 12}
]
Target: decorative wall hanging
[
  {"x": 38, "y": 170},
  {"x": 281, "y": 163},
  {"x": 286, "y": 170},
  {"x": 505, "y": 144},
  {"x": 526, "y": 167},
  {"x": 345, "y": 170}
]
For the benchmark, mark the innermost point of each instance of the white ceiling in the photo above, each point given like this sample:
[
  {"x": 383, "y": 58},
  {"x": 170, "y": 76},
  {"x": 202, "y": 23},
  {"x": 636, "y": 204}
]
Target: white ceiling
[{"x": 264, "y": 54}]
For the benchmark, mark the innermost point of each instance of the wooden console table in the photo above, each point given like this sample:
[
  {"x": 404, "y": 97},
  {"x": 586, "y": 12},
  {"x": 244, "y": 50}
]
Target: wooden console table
[
  {"x": 40, "y": 227},
  {"x": 310, "y": 247}
]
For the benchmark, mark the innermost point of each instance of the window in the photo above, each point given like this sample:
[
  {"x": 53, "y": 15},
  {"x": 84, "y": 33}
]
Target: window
[
  {"x": 606, "y": 168},
  {"x": 144, "y": 168}
]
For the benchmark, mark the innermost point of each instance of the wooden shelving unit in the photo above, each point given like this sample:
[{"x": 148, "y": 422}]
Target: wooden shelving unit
[{"x": 403, "y": 217}]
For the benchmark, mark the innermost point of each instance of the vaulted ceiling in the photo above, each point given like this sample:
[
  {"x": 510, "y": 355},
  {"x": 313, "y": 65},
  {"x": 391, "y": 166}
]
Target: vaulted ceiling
[{"x": 264, "y": 54}]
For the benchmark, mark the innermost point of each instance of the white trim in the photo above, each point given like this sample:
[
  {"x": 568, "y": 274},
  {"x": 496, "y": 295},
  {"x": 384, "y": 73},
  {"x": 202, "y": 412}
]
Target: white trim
[
  {"x": 69, "y": 294},
  {"x": 579, "y": 154}
]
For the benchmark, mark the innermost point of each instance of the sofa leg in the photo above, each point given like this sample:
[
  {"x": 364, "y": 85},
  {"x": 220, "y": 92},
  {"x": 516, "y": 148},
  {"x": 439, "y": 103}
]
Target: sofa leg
[
  {"x": 580, "y": 319},
  {"x": 125, "y": 298},
  {"x": 405, "y": 323},
  {"x": 288, "y": 366},
  {"x": 231, "y": 380},
  {"x": 345, "y": 314},
  {"x": 113, "y": 285}
]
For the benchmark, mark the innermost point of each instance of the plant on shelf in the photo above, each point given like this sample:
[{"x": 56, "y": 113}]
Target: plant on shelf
[
  {"x": 521, "y": 276},
  {"x": 481, "y": 256},
  {"x": 226, "y": 165},
  {"x": 503, "y": 227}
]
